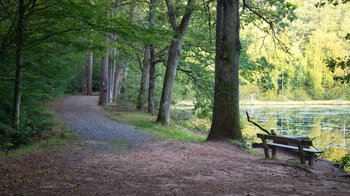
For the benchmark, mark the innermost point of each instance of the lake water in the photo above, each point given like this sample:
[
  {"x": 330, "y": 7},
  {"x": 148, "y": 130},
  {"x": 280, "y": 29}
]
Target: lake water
[{"x": 330, "y": 126}]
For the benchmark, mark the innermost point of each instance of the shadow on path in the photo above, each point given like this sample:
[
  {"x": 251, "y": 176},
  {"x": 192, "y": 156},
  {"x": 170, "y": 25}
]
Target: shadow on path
[{"x": 85, "y": 117}]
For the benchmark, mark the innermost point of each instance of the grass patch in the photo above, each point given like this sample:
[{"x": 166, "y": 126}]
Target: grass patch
[
  {"x": 54, "y": 143},
  {"x": 42, "y": 171},
  {"x": 145, "y": 122},
  {"x": 54, "y": 140},
  {"x": 69, "y": 135},
  {"x": 255, "y": 153},
  {"x": 239, "y": 144},
  {"x": 121, "y": 144}
]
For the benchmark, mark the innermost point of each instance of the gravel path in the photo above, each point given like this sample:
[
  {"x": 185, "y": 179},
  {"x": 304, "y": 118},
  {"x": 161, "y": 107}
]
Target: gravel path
[{"x": 85, "y": 117}]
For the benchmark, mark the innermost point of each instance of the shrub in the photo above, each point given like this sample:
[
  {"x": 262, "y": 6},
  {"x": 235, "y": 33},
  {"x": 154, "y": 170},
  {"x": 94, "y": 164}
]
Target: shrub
[
  {"x": 300, "y": 95},
  {"x": 344, "y": 163}
]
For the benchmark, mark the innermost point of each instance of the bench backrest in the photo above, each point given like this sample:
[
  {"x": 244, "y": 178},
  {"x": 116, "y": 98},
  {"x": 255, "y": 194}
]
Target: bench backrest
[{"x": 285, "y": 139}]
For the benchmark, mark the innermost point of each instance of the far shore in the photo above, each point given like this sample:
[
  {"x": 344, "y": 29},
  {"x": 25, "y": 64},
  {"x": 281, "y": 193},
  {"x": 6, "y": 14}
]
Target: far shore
[{"x": 314, "y": 103}]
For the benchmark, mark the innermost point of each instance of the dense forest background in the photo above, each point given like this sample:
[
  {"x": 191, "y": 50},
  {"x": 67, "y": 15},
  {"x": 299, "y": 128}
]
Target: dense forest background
[{"x": 287, "y": 62}]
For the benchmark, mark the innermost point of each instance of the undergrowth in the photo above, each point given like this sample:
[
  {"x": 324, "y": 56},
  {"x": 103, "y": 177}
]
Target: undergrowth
[
  {"x": 53, "y": 135},
  {"x": 145, "y": 122},
  {"x": 344, "y": 163}
]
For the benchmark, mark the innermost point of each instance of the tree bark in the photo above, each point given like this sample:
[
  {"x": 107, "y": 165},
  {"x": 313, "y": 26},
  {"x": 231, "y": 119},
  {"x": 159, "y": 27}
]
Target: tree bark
[
  {"x": 144, "y": 79},
  {"x": 152, "y": 80},
  {"x": 84, "y": 82},
  {"x": 111, "y": 74},
  {"x": 125, "y": 77},
  {"x": 173, "y": 59},
  {"x": 117, "y": 81},
  {"x": 19, "y": 64},
  {"x": 90, "y": 67},
  {"x": 152, "y": 62},
  {"x": 104, "y": 78},
  {"x": 225, "y": 123}
]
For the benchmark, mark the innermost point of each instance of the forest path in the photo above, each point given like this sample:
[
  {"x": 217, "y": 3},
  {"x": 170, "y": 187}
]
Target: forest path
[
  {"x": 158, "y": 167},
  {"x": 86, "y": 118}
]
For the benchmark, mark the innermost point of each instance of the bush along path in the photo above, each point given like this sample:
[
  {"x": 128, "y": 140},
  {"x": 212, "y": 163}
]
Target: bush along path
[{"x": 81, "y": 114}]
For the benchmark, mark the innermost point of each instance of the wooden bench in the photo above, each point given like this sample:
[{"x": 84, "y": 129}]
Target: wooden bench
[{"x": 299, "y": 146}]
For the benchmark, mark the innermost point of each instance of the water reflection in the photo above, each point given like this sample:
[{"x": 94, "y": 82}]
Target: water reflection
[{"x": 329, "y": 126}]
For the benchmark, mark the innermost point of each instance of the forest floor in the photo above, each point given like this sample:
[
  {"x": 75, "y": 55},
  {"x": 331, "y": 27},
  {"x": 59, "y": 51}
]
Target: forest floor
[{"x": 96, "y": 166}]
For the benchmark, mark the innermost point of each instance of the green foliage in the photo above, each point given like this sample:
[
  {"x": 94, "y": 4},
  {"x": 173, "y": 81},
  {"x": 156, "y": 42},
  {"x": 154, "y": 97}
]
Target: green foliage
[
  {"x": 121, "y": 144},
  {"x": 53, "y": 143},
  {"x": 37, "y": 125},
  {"x": 240, "y": 144},
  {"x": 300, "y": 95},
  {"x": 344, "y": 162},
  {"x": 333, "y": 2},
  {"x": 255, "y": 153},
  {"x": 303, "y": 74},
  {"x": 343, "y": 64},
  {"x": 146, "y": 123},
  {"x": 69, "y": 135}
]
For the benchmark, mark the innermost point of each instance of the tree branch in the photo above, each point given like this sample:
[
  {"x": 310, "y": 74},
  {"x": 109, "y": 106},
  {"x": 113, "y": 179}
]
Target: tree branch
[
  {"x": 171, "y": 15},
  {"x": 260, "y": 127},
  {"x": 161, "y": 52},
  {"x": 271, "y": 27},
  {"x": 54, "y": 34},
  {"x": 186, "y": 19}
]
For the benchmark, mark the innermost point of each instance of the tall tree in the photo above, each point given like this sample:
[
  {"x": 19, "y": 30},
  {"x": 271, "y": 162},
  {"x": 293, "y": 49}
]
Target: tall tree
[
  {"x": 152, "y": 62},
  {"x": 111, "y": 74},
  {"x": 117, "y": 80},
  {"x": 173, "y": 58},
  {"x": 225, "y": 123},
  {"x": 90, "y": 70},
  {"x": 225, "y": 120},
  {"x": 144, "y": 79},
  {"x": 19, "y": 62},
  {"x": 84, "y": 81},
  {"x": 125, "y": 77},
  {"x": 152, "y": 80},
  {"x": 104, "y": 76}
]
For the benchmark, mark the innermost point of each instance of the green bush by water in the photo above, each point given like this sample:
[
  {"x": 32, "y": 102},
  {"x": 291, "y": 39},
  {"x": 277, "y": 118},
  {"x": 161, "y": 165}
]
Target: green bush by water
[{"x": 344, "y": 163}]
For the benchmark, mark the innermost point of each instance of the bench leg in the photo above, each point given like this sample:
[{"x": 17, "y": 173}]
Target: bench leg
[
  {"x": 311, "y": 159},
  {"x": 266, "y": 148},
  {"x": 301, "y": 153},
  {"x": 274, "y": 152},
  {"x": 266, "y": 151}
]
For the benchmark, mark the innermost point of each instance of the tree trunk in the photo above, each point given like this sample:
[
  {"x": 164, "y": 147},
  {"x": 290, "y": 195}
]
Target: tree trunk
[
  {"x": 104, "y": 78},
  {"x": 117, "y": 80},
  {"x": 152, "y": 81},
  {"x": 84, "y": 82},
  {"x": 226, "y": 122},
  {"x": 111, "y": 74},
  {"x": 89, "y": 83},
  {"x": 173, "y": 59},
  {"x": 125, "y": 77},
  {"x": 19, "y": 64},
  {"x": 144, "y": 78},
  {"x": 152, "y": 63}
]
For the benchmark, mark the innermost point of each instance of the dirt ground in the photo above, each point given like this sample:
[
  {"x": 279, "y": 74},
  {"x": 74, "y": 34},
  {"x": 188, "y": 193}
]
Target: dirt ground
[
  {"x": 165, "y": 167},
  {"x": 155, "y": 167}
]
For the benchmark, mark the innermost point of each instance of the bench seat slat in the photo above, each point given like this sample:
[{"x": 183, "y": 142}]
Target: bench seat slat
[
  {"x": 292, "y": 147},
  {"x": 284, "y": 139}
]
